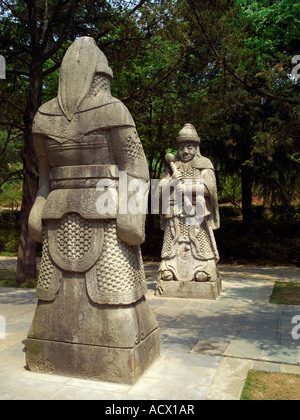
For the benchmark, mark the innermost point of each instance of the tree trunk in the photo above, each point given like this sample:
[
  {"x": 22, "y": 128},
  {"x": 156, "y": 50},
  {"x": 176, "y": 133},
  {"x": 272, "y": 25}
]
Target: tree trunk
[
  {"x": 247, "y": 173},
  {"x": 248, "y": 222},
  {"x": 26, "y": 266}
]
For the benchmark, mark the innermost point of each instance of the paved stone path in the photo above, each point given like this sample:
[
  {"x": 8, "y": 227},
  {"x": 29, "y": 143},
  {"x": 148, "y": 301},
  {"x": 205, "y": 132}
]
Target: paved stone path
[{"x": 207, "y": 347}]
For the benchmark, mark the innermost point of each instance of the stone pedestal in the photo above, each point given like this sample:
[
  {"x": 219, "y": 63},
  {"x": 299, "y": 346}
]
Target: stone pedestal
[
  {"x": 73, "y": 336},
  {"x": 190, "y": 290}
]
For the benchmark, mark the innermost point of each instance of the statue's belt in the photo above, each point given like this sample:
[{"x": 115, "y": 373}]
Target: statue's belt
[
  {"x": 88, "y": 203},
  {"x": 81, "y": 176},
  {"x": 83, "y": 172}
]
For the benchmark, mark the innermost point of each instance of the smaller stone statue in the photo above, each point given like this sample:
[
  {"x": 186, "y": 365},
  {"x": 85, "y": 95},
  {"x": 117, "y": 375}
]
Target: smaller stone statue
[{"x": 189, "y": 258}]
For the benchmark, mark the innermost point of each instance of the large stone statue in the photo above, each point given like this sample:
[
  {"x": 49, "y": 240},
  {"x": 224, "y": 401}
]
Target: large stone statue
[
  {"x": 92, "y": 319},
  {"x": 189, "y": 258}
]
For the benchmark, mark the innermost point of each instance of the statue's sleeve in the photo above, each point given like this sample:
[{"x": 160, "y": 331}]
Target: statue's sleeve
[
  {"x": 35, "y": 216},
  {"x": 133, "y": 184},
  {"x": 208, "y": 175},
  {"x": 167, "y": 175},
  {"x": 129, "y": 153},
  {"x": 166, "y": 178}
]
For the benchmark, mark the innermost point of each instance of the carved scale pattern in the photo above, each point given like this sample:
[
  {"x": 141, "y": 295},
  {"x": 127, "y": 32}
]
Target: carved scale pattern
[
  {"x": 133, "y": 147},
  {"x": 74, "y": 236},
  {"x": 120, "y": 268},
  {"x": 46, "y": 268}
]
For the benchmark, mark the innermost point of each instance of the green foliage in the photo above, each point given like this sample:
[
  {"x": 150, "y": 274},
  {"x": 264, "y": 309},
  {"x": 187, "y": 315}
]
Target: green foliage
[
  {"x": 9, "y": 231},
  {"x": 275, "y": 27},
  {"x": 275, "y": 243},
  {"x": 8, "y": 279},
  {"x": 9, "y": 239},
  {"x": 242, "y": 126},
  {"x": 222, "y": 65},
  {"x": 9, "y": 218},
  {"x": 286, "y": 293},
  {"x": 10, "y": 166},
  {"x": 229, "y": 212},
  {"x": 11, "y": 194}
]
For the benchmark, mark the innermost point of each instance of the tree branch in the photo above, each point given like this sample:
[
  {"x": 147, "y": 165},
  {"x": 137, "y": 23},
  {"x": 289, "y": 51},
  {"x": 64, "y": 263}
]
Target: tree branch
[
  {"x": 46, "y": 21},
  {"x": 10, "y": 177},
  {"x": 248, "y": 86},
  {"x": 4, "y": 40},
  {"x": 5, "y": 100},
  {"x": 68, "y": 22},
  {"x": 18, "y": 72},
  {"x": 120, "y": 41},
  {"x": 32, "y": 14},
  {"x": 50, "y": 22},
  {"x": 12, "y": 124},
  {"x": 9, "y": 6},
  {"x": 163, "y": 77},
  {"x": 52, "y": 69},
  {"x": 135, "y": 8},
  {"x": 6, "y": 143}
]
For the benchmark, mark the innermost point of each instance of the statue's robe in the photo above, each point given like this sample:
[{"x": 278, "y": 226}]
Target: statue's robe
[
  {"x": 77, "y": 239},
  {"x": 189, "y": 246}
]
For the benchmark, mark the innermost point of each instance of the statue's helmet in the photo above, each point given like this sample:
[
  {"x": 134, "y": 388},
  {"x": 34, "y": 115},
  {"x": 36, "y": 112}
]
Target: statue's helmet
[
  {"x": 81, "y": 62},
  {"x": 188, "y": 134}
]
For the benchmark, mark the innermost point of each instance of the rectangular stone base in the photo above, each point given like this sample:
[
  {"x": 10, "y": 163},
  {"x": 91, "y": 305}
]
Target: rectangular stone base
[
  {"x": 122, "y": 365},
  {"x": 190, "y": 290}
]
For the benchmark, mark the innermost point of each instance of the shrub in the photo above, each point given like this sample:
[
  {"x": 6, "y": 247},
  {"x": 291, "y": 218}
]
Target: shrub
[
  {"x": 229, "y": 211},
  {"x": 9, "y": 239},
  {"x": 285, "y": 212},
  {"x": 9, "y": 231},
  {"x": 10, "y": 217}
]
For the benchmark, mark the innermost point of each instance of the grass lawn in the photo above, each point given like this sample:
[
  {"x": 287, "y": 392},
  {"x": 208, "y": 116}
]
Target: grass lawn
[
  {"x": 286, "y": 293},
  {"x": 8, "y": 279},
  {"x": 262, "y": 385}
]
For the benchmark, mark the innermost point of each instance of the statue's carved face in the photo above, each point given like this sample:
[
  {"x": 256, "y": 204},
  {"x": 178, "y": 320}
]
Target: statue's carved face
[{"x": 186, "y": 151}]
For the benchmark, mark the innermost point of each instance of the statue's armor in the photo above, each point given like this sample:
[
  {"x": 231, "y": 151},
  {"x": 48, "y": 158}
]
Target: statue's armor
[
  {"x": 92, "y": 319},
  {"x": 77, "y": 239},
  {"x": 190, "y": 248}
]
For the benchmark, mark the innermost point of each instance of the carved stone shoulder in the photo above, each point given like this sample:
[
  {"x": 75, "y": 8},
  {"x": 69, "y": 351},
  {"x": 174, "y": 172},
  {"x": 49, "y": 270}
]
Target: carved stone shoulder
[
  {"x": 45, "y": 115},
  {"x": 113, "y": 114},
  {"x": 51, "y": 108},
  {"x": 201, "y": 162},
  {"x": 51, "y": 122}
]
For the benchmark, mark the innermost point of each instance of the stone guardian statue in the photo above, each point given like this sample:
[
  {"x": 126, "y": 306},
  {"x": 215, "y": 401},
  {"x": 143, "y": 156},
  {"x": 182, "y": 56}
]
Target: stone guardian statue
[
  {"x": 189, "y": 258},
  {"x": 92, "y": 319}
]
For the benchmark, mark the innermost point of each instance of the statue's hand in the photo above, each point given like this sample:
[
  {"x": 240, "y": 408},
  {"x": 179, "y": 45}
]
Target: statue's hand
[{"x": 176, "y": 175}]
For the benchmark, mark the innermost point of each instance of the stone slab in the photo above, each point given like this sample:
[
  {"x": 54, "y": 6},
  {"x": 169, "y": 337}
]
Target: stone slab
[
  {"x": 121, "y": 365},
  {"x": 228, "y": 379},
  {"x": 70, "y": 336},
  {"x": 190, "y": 290}
]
